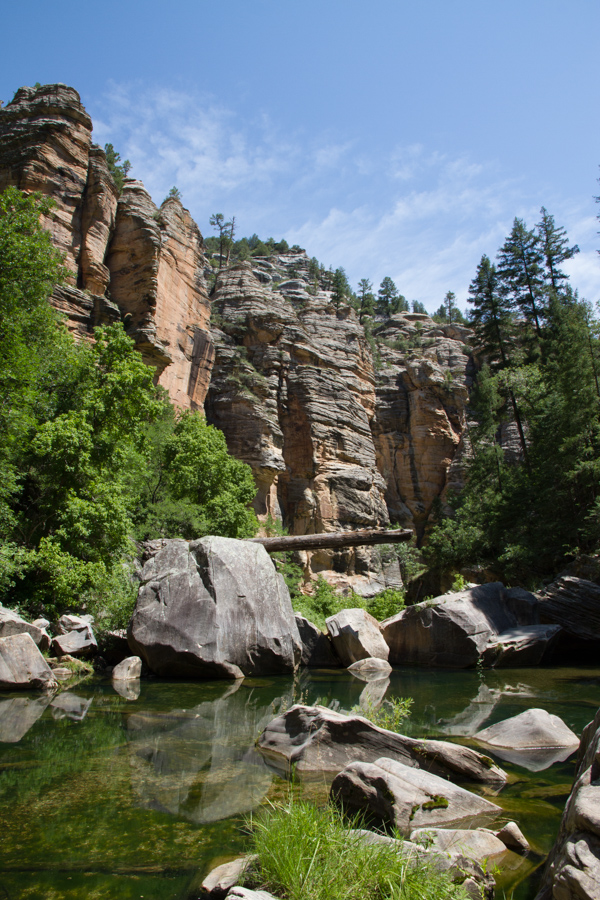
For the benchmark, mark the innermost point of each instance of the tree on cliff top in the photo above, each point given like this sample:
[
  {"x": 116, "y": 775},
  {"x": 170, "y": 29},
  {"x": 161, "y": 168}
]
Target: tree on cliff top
[{"x": 117, "y": 169}]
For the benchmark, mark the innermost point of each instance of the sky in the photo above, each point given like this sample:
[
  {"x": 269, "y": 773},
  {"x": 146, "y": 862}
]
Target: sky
[{"x": 393, "y": 138}]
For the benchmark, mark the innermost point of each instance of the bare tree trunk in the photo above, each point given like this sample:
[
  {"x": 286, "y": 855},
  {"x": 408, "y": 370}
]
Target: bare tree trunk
[{"x": 332, "y": 540}]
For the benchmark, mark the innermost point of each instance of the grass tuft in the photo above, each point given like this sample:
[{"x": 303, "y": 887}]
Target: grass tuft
[{"x": 306, "y": 853}]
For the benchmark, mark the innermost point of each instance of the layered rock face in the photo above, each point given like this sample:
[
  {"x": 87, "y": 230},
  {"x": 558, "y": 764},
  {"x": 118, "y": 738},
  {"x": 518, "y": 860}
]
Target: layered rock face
[
  {"x": 125, "y": 257},
  {"x": 341, "y": 430}
]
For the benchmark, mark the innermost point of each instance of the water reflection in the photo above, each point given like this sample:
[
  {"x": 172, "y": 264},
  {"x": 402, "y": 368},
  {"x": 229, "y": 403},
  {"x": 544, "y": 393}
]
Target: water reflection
[
  {"x": 200, "y": 763},
  {"x": 129, "y": 690},
  {"x": 18, "y": 715},
  {"x": 69, "y": 706}
]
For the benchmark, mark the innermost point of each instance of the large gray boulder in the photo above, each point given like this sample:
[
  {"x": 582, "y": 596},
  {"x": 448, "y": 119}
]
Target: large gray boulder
[
  {"x": 80, "y": 641},
  {"x": 214, "y": 608},
  {"x": 318, "y": 739},
  {"x": 355, "y": 635},
  {"x": 406, "y": 798},
  {"x": 573, "y": 868},
  {"x": 455, "y": 630},
  {"x": 534, "y": 739},
  {"x": 128, "y": 669},
  {"x": 574, "y": 604},
  {"x": 317, "y": 649},
  {"x": 12, "y": 623},
  {"x": 22, "y": 666}
]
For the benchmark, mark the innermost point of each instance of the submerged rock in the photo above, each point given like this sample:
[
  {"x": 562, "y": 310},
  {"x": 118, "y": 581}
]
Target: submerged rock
[
  {"x": 406, "y": 797},
  {"x": 214, "y": 608},
  {"x": 317, "y": 739}
]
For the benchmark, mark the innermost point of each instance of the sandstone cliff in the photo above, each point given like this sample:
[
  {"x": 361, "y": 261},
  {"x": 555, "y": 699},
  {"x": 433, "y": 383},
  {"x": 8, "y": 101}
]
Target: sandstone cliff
[
  {"x": 334, "y": 440},
  {"x": 342, "y": 428},
  {"x": 126, "y": 258}
]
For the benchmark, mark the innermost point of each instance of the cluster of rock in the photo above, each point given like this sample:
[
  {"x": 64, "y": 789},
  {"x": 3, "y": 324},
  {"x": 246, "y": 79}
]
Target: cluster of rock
[
  {"x": 23, "y": 666},
  {"x": 395, "y": 782}
]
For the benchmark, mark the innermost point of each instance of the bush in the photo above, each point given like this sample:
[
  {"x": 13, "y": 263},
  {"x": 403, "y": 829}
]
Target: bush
[{"x": 305, "y": 853}]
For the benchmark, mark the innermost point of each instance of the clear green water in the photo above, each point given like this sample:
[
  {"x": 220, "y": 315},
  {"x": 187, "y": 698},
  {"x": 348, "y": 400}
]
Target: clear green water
[{"x": 116, "y": 799}]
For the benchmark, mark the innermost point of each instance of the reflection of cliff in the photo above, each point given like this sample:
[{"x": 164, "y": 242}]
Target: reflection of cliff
[
  {"x": 126, "y": 257},
  {"x": 200, "y": 763}
]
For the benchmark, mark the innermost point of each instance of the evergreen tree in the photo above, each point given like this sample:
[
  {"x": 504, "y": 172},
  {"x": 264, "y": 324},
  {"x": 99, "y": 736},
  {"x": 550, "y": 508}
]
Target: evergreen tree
[
  {"x": 418, "y": 307},
  {"x": 387, "y": 295},
  {"x": 520, "y": 262},
  {"x": 555, "y": 249},
  {"x": 117, "y": 169},
  {"x": 340, "y": 287},
  {"x": 366, "y": 299}
]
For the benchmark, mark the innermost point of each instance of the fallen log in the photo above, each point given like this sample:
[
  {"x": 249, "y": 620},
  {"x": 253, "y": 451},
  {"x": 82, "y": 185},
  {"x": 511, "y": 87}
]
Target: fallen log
[{"x": 332, "y": 540}]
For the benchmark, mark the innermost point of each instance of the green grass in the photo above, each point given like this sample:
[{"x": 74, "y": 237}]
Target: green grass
[
  {"x": 326, "y": 601},
  {"x": 306, "y": 853}
]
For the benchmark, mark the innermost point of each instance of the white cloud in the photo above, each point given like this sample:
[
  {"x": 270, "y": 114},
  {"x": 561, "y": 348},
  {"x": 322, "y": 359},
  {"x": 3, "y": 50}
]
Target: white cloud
[{"x": 412, "y": 212}]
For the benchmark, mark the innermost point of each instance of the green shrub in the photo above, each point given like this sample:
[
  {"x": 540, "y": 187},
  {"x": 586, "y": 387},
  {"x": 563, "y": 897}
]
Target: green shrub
[
  {"x": 305, "y": 853},
  {"x": 386, "y": 604},
  {"x": 391, "y": 714}
]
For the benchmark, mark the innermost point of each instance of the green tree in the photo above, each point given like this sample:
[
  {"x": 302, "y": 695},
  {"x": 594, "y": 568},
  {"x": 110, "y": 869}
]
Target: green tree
[
  {"x": 226, "y": 232},
  {"x": 366, "y": 299},
  {"x": 117, "y": 169},
  {"x": 418, "y": 307},
  {"x": 555, "y": 249},
  {"x": 520, "y": 272},
  {"x": 340, "y": 288},
  {"x": 387, "y": 295}
]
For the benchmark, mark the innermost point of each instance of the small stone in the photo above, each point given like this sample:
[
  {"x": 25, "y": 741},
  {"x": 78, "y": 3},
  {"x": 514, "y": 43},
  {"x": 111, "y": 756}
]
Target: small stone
[
  {"x": 513, "y": 838},
  {"x": 128, "y": 670},
  {"x": 220, "y": 879},
  {"x": 370, "y": 669}
]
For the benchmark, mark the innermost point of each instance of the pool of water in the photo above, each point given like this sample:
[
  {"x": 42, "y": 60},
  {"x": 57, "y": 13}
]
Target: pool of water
[{"x": 112, "y": 797}]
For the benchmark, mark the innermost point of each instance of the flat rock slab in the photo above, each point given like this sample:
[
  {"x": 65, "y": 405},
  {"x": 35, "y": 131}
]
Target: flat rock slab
[
  {"x": 521, "y": 647},
  {"x": 242, "y": 893},
  {"x": 370, "y": 669},
  {"x": 214, "y": 608},
  {"x": 530, "y": 730},
  {"x": 452, "y": 631},
  {"x": 356, "y": 635},
  {"x": 406, "y": 797},
  {"x": 221, "y": 879},
  {"x": 479, "y": 844},
  {"x": 317, "y": 649},
  {"x": 534, "y": 740},
  {"x": 79, "y": 642},
  {"x": 574, "y": 604},
  {"x": 318, "y": 739},
  {"x": 22, "y": 666}
]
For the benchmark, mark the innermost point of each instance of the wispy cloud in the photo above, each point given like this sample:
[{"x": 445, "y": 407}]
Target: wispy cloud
[{"x": 410, "y": 211}]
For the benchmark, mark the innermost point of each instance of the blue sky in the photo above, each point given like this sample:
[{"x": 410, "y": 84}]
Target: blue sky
[{"x": 392, "y": 138}]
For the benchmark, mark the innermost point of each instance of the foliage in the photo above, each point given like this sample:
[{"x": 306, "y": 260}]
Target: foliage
[
  {"x": 525, "y": 512},
  {"x": 91, "y": 452},
  {"x": 449, "y": 311},
  {"x": 390, "y": 715},
  {"x": 305, "y": 853},
  {"x": 117, "y": 169},
  {"x": 174, "y": 194},
  {"x": 386, "y": 604},
  {"x": 326, "y": 601},
  {"x": 418, "y": 307}
]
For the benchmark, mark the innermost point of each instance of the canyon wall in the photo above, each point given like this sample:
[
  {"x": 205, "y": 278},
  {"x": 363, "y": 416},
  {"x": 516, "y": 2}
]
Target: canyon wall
[
  {"x": 343, "y": 428},
  {"x": 126, "y": 258}
]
